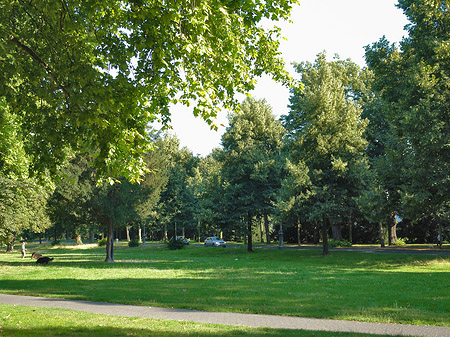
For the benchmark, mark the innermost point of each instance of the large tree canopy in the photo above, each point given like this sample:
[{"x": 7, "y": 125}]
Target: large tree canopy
[
  {"x": 90, "y": 75},
  {"x": 413, "y": 82}
]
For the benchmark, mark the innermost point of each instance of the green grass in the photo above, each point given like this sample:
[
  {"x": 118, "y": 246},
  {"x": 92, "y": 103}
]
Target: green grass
[
  {"x": 413, "y": 289},
  {"x": 47, "y": 322}
]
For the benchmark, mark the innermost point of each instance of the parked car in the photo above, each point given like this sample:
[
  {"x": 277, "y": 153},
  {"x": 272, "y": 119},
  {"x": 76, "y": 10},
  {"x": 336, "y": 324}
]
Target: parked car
[{"x": 215, "y": 242}]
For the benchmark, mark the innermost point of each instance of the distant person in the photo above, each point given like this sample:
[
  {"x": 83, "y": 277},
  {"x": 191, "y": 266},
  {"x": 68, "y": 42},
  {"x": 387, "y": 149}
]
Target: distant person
[{"x": 23, "y": 250}]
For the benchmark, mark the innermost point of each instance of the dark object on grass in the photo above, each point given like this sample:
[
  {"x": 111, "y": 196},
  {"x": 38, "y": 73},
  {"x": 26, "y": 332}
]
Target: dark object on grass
[
  {"x": 44, "y": 260},
  {"x": 36, "y": 255},
  {"x": 133, "y": 243},
  {"x": 177, "y": 243}
]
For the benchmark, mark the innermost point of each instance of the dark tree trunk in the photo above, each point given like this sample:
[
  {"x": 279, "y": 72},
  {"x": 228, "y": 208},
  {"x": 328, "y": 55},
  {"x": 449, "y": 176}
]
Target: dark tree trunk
[
  {"x": 91, "y": 237},
  {"x": 144, "y": 234},
  {"x": 261, "y": 229},
  {"x": 250, "y": 236},
  {"x": 337, "y": 233},
  {"x": 350, "y": 231},
  {"x": 325, "y": 237},
  {"x": 381, "y": 235},
  {"x": 299, "y": 239},
  {"x": 110, "y": 243},
  {"x": 392, "y": 229},
  {"x": 10, "y": 247},
  {"x": 166, "y": 237},
  {"x": 316, "y": 234},
  {"x": 266, "y": 228}
]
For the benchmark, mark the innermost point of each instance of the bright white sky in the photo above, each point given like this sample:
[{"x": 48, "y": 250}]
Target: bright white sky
[{"x": 339, "y": 27}]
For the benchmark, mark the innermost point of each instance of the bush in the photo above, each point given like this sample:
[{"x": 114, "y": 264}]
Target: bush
[
  {"x": 56, "y": 243},
  {"x": 334, "y": 243},
  {"x": 176, "y": 244},
  {"x": 400, "y": 242},
  {"x": 133, "y": 243},
  {"x": 102, "y": 242}
]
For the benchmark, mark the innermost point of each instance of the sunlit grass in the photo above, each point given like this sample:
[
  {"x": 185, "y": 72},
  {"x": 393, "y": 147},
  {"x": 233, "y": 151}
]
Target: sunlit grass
[
  {"x": 48, "y": 322},
  {"x": 402, "y": 288}
]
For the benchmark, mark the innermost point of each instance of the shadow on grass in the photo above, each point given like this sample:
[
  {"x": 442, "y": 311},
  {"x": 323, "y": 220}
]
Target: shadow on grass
[{"x": 118, "y": 332}]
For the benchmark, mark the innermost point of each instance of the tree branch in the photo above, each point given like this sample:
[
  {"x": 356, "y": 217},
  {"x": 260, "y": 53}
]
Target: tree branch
[{"x": 35, "y": 57}]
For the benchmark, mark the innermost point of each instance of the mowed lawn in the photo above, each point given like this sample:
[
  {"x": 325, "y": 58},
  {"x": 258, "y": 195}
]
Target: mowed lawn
[{"x": 412, "y": 289}]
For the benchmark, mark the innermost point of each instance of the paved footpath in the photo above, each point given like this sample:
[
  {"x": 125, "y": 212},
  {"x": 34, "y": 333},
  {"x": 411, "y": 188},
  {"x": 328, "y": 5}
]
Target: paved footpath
[{"x": 225, "y": 318}]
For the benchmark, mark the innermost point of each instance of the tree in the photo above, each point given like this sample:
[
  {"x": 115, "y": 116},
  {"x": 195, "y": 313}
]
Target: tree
[
  {"x": 22, "y": 197},
  {"x": 251, "y": 161},
  {"x": 413, "y": 82},
  {"x": 155, "y": 180},
  {"x": 177, "y": 202},
  {"x": 69, "y": 206},
  {"x": 91, "y": 75},
  {"x": 212, "y": 214},
  {"x": 325, "y": 131}
]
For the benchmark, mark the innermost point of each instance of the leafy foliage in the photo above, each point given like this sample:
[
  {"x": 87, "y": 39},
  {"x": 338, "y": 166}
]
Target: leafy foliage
[
  {"x": 91, "y": 75},
  {"x": 251, "y": 161},
  {"x": 412, "y": 82},
  {"x": 326, "y": 141},
  {"x": 176, "y": 243}
]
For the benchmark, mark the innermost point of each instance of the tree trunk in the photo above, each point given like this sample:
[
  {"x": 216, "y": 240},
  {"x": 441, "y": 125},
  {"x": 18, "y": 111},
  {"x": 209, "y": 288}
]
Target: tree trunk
[
  {"x": 325, "y": 237},
  {"x": 10, "y": 246},
  {"x": 110, "y": 243},
  {"x": 250, "y": 236},
  {"x": 316, "y": 234},
  {"x": 128, "y": 233},
  {"x": 392, "y": 233},
  {"x": 299, "y": 239},
  {"x": 381, "y": 235},
  {"x": 91, "y": 237},
  {"x": 165, "y": 233},
  {"x": 440, "y": 239},
  {"x": 266, "y": 228},
  {"x": 144, "y": 234},
  {"x": 350, "y": 231},
  {"x": 336, "y": 230},
  {"x": 198, "y": 227},
  {"x": 261, "y": 229}
]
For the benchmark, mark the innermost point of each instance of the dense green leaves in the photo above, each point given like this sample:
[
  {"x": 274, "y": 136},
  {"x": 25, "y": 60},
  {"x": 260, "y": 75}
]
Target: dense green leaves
[
  {"x": 326, "y": 140},
  {"x": 413, "y": 82},
  {"x": 251, "y": 161},
  {"x": 91, "y": 75}
]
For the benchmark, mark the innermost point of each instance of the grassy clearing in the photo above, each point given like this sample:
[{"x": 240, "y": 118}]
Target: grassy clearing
[
  {"x": 413, "y": 289},
  {"x": 48, "y": 322}
]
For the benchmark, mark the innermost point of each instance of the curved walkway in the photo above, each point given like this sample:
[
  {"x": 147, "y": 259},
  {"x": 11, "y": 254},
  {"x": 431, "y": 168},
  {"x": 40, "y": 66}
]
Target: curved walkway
[{"x": 225, "y": 318}]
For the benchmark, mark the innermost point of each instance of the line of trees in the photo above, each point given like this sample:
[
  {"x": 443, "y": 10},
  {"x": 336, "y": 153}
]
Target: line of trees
[{"x": 359, "y": 150}]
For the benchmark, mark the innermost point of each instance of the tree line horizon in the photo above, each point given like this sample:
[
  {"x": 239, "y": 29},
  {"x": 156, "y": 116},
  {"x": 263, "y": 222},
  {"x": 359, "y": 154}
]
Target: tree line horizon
[{"x": 359, "y": 148}]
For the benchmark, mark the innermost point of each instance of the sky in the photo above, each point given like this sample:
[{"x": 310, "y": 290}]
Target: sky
[{"x": 338, "y": 27}]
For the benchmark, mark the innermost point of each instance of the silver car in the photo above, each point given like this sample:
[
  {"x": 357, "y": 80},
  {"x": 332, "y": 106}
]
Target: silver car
[{"x": 215, "y": 242}]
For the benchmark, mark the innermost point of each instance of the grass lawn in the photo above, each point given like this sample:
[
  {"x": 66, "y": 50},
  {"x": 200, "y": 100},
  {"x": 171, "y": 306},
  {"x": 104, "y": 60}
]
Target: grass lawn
[
  {"x": 47, "y": 322},
  {"x": 412, "y": 289}
]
